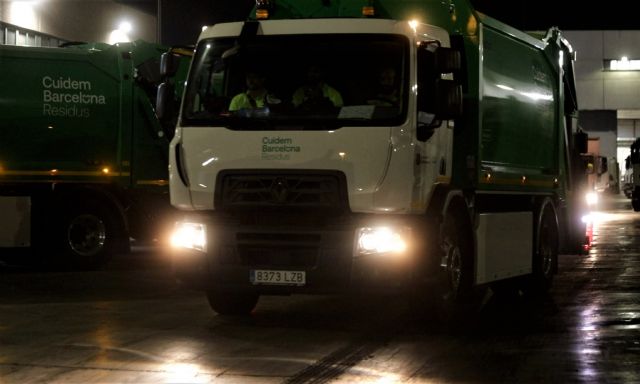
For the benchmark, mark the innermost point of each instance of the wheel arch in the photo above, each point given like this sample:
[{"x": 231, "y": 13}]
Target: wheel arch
[{"x": 540, "y": 207}]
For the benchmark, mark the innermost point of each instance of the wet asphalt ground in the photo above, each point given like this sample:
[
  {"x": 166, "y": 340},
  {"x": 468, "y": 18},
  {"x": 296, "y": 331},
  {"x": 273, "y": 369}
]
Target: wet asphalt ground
[{"x": 132, "y": 323}]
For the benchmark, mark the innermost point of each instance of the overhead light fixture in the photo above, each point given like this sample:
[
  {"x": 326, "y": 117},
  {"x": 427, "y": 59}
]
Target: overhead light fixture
[
  {"x": 624, "y": 64},
  {"x": 23, "y": 14},
  {"x": 121, "y": 35},
  {"x": 125, "y": 27}
]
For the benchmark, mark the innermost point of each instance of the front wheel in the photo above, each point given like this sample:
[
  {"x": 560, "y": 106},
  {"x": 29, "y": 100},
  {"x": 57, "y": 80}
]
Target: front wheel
[
  {"x": 232, "y": 303},
  {"x": 455, "y": 297}
]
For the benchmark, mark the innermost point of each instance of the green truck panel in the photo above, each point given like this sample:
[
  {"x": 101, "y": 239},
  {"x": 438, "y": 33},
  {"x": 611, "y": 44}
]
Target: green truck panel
[
  {"x": 74, "y": 112},
  {"x": 79, "y": 136},
  {"x": 519, "y": 125}
]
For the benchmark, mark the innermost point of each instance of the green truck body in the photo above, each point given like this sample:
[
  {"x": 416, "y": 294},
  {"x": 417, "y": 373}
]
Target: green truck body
[
  {"x": 81, "y": 148},
  {"x": 489, "y": 191}
]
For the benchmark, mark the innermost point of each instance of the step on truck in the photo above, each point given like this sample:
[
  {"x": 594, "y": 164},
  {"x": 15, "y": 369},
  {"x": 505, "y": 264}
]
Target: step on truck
[
  {"x": 454, "y": 174},
  {"x": 83, "y": 157}
]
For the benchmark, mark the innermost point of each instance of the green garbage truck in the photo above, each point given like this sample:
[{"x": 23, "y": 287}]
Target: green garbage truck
[
  {"x": 413, "y": 146},
  {"x": 83, "y": 157}
]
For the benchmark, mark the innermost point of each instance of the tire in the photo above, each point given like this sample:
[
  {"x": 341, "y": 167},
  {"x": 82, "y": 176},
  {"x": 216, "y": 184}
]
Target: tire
[
  {"x": 232, "y": 303},
  {"x": 89, "y": 235},
  {"x": 455, "y": 300},
  {"x": 546, "y": 249}
]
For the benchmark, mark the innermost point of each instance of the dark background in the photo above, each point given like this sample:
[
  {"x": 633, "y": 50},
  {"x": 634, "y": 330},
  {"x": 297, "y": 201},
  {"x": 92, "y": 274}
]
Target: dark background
[{"x": 181, "y": 20}]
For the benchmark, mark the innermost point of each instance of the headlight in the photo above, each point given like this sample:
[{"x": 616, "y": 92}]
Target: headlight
[
  {"x": 382, "y": 240},
  {"x": 190, "y": 235},
  {"x": 592, "y": 198}
]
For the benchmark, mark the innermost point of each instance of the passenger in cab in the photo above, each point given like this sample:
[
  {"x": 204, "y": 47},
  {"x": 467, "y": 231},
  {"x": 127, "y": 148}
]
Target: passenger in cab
[
  {"x": 386, "y": 93},
  {"x": 256, "y": 96},
  {"x": 315, "y": 94}
]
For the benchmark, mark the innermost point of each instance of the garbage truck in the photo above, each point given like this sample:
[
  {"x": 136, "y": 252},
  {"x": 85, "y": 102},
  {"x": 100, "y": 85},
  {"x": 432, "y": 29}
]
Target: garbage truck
[
  {"x": 627, "y": 178},
  {"x": 469, "y": 177},
  {"x": 83, "y": 157},
  {"x": 634, "y": 175}
]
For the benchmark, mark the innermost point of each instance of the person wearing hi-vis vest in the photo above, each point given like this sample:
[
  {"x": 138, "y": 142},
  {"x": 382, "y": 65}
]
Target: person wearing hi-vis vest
[
  {"x": 315, "y": 93},
  {"x": 256, "y": 96}
]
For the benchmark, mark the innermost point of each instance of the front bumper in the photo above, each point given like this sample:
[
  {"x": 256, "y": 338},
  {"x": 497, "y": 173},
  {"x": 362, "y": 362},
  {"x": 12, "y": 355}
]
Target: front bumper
[{"x": 325, "y": 254}]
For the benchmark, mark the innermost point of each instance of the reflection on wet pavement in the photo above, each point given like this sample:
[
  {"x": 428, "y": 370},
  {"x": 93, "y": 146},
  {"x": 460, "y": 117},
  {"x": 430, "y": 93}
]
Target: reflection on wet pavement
[{"x": 136, "y": 325}]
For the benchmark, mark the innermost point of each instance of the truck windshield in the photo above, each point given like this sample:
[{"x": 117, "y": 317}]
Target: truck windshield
[{"x": 298, "y": 82}]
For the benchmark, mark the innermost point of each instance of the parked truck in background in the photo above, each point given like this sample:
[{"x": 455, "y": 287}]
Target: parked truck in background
[
  {"x": 596, "y": 177},
  {"x": 471, "y": 177},
  {"x": 634, "y": 174},
  {"x": 83, "y": 157},
  {"x": 615, "y": 180},
  {"x": 602, "y": 171},
  {"x": 627, "y": 178}
]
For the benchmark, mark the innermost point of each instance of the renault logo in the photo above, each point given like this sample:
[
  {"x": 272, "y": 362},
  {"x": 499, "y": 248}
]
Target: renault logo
[{"x": 280, "y": 190}]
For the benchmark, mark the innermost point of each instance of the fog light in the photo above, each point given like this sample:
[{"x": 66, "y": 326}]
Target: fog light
[
  {"x": 190, "y": 236},
  {"x": 592, "y": 198}
]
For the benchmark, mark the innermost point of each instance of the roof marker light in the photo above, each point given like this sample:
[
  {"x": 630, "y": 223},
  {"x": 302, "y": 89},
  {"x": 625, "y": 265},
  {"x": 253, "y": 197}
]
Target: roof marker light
[
  {"x": 263, "y": 7},
  {"x": 262, "y": 14}
]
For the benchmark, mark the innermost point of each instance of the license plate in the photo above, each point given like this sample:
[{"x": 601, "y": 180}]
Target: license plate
[{"x": 271, "y": 277}]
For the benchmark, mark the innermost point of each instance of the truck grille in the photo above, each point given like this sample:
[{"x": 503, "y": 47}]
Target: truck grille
[
  {"x": 257, "y": 189},
  {"x": 278, "y": 257},
  {"x": 273, "y": 250}
]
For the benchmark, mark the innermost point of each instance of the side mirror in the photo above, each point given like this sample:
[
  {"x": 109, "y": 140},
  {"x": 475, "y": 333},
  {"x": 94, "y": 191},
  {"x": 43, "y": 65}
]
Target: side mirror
[
  {"x": 169, "y": 64},
  {"x": 439, "y": 89},
  {"x": 165, "y": 108},
  {"x": 448, "y": 99},
  {"x": 447, "y": 60},
  {"x": 442, "y": 99}
]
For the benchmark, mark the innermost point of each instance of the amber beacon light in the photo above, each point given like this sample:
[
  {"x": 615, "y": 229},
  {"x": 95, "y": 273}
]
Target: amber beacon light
[
  {"x": 368, "y": 10},
  {"x": 264, "y": 8}
]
